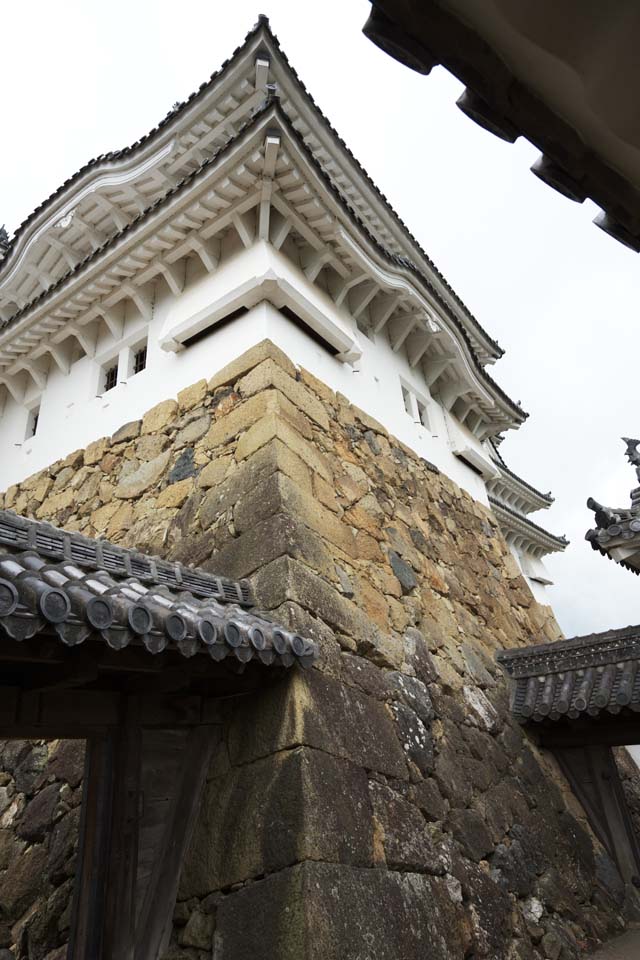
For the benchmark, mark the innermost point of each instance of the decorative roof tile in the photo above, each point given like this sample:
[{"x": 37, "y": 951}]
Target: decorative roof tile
[
  {"x": 56, "y": 582},
  {"x": 582, "y": 677},
  {"x": 617, "y": 530}
]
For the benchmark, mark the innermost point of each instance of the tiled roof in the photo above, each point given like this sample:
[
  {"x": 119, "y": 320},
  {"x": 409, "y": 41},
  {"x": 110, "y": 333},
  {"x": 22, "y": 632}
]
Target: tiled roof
[
  {"x": 582, "y": 677},
  {"x": 179, "y": 108},
  {"x": 499, "y": 459},
  {"x": 272, "y": 103},
  {"x": 617, "y": 529},
  {"x": 559, "y": 542},
  {"x": 63, "y": 583}
]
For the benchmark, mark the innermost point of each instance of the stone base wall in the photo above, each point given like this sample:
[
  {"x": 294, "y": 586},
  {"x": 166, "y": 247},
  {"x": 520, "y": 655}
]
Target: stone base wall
[
  {"x": 40, "y": 796},
  {"x": 382, "y": 805}
]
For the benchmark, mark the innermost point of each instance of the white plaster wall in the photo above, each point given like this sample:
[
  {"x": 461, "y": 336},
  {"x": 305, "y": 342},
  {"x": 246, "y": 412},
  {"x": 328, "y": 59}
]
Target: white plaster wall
[{"x": 72, "y": 414}]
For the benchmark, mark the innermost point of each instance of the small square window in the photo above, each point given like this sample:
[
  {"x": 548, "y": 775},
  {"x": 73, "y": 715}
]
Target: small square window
[
  {"x": 110, "y": 377},
  {"x": 32, "y": 422},
  {"x": 140, "y": 359},
  {"x": 422, "y": 414}
]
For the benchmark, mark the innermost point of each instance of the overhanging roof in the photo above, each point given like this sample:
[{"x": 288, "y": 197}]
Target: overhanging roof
[
  {"x": 192, "y": 132},
  {"x": 617, "y": 530},
  {"x": 575, "y": 679},
  {"x": 220, "y": 192},
  {"x": 563, "y": 75},
  {"x": 76, "y": 589}
]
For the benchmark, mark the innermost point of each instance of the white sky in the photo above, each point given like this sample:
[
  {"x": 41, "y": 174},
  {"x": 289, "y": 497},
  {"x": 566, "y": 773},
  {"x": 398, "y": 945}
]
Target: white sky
[{"x": 82, "y": 77}]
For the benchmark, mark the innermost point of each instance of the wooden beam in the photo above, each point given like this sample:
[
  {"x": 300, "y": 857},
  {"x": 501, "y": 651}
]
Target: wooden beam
[
  {"x": 120, "y": 906},
  {"x": 173, "y": 275},
  {"x": 593, "y": 775},
  {"x": 382, "y": 309},
  {"x": 315, "y": 263},
  {"x": 450, "y": 391},
  {"x": 362, "y": 300},
  {"x": 115, "y": 323},
  {"x": 417, "y": 349},
  {"x": 86, "y": 939},
  {"x": 209, "y": 258},
  {"x": 281, "y": 233},
  {"x": 349, "y": 284},
  {"x": 264, "y": 212},
  {"x": 262, "y": 73},
  {"x": 435, "y": 368},
  {"x": 244, "y": 224},
  {"x": 17, "y": 391},
  {"x": 271, "y": 148},
  {"x": 400, "y": 328},
  {"x": 156, "y": 914}
]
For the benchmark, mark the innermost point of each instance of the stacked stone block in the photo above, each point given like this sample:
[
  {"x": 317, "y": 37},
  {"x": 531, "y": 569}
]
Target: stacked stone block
[
  {"x": 40, "y": 796},
  {"x": 383, "y": 805}
]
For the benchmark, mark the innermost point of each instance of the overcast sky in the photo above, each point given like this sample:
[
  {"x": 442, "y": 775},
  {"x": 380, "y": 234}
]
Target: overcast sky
[{"x": 83, "y": 78}]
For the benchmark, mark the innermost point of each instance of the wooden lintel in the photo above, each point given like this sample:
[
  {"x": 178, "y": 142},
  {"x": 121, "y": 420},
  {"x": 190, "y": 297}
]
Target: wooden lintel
[{"x": 605, "y": 731}]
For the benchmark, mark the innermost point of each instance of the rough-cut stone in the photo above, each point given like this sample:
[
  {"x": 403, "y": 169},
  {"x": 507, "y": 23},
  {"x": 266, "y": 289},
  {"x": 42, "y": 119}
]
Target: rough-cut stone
[
  {"x": 158, "y": 417},
  {"x": 330, "y": 912},
  {"x": 198, "y": 931},
  {"x": 413, "y": 693},
  {"x": 320, "y": 712},
  {"x": 403, "y": 572},
  {"x": 128, "y": 431},
  {"x": 243, "y": 417},
  {"x": 405, "y": 836},
  {"x": 303, "y": 804},
  {"x": 274, "y": 537},
  {"x": 193, "y": 431},
  {"x": 66, "y": 761},
  {"x": 237, "y": 368},
  {"x": 147, "y": 475},
  {"x": 183, "y": 467},
  {"x": 38, "y": 814},
  {"x": 192, "y": 396},
  {"x": 176, "y": 494},
  {"x": 270, "y": 374},
  {"x": 23, "y": 877},
  {"x": 396, "y": 753},
  {"x": 272, "y": 427},
  {"x": 415, "y": 738},
  {"x": 96, "y": 451},
  {"x": 214, "y": 472},
  {"x": 469, "y": 830}
]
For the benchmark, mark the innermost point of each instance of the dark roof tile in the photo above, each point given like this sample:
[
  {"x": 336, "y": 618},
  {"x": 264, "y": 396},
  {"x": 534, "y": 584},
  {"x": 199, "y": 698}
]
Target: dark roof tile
[{"x": 57, "y": 582}]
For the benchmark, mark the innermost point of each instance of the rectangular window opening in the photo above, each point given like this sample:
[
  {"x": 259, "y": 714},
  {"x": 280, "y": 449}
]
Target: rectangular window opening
[
  {"x": 140, "y": 359},
  {"x": 32, "y": 422},
  {"x": 110, "y": 377},
  {"x": 422, "y": 414},
  {"x": 406, "y": 396}
]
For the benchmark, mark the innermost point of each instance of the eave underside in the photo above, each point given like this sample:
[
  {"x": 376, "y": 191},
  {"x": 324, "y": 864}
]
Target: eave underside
[
  {"x": 567, "y": 91},
  {"x": 264, "y": 185},
  {"x": 109, "y": 193}
]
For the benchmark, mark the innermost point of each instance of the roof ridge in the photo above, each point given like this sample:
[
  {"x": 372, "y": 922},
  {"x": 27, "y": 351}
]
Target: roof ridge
[{"x": 100, "y": 554}]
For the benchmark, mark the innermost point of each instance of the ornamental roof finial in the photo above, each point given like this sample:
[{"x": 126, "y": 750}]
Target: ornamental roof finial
[{"x": 632, "y": 453}]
